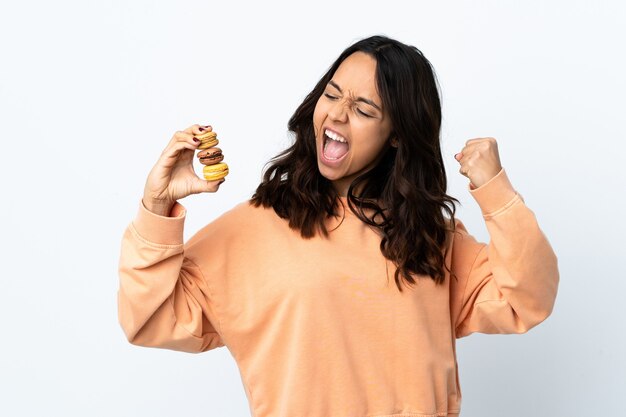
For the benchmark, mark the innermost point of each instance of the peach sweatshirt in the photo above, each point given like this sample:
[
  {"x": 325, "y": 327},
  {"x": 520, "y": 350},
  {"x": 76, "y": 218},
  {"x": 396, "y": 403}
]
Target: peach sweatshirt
[{"x": 318, "y": 327}]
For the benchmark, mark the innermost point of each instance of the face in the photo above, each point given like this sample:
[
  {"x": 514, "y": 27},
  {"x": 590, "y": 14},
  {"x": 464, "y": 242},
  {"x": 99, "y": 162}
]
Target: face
[{"x": 351, "y": 111}]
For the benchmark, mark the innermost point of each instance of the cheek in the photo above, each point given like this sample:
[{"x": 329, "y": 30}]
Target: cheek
[
  {"x": 370, "y": 150},
  {"x": 371, "y": 144}
]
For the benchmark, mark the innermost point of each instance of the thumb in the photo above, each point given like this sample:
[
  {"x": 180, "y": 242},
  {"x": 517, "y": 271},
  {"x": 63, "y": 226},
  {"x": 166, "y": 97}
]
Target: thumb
[{"x": 202, "y": 186}]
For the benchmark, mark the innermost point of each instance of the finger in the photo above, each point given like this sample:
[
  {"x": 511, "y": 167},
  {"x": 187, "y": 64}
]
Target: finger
[
  {"x": 468, "y": 151},
  {"x": 203, "y": 186},
  {"x": 198, "y": 129},
  {"x": 173, "y": 152},
  {"x": 471, "y": 141},
  {"x": 465, "y": 150},
  {"x": 465, "y": 158},
  {"x": 183, "y": 137}
]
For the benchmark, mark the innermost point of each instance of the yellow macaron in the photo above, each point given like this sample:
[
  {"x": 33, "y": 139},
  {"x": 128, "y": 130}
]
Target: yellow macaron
[
  {"x": 215, "y": 171},
  {"x": 207, "y": 140}
]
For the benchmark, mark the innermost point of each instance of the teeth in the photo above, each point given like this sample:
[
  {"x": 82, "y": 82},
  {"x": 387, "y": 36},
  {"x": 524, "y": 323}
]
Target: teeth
[{"x": 334, "y": 136}]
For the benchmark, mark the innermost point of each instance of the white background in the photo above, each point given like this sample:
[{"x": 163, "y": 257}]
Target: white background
[{"x": 91, "y": 92}]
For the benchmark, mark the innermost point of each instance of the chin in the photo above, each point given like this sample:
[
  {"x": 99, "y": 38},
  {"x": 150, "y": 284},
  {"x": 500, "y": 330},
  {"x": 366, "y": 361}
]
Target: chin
[
  {"x": 323, "y": 171},
  {"x": 327, "y": 173}
]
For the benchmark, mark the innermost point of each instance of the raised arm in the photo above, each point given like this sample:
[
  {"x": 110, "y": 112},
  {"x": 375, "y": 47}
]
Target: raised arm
[
  {"x": 510, "y": 284},
  {"x": 163, "y": 299}
]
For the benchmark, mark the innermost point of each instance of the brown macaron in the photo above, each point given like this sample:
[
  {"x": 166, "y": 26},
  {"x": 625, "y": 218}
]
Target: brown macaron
[{"x": 210, "y": 156}]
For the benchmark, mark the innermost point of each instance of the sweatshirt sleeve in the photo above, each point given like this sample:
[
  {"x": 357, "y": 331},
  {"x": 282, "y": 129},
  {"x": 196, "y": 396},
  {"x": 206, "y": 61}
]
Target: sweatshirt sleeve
[
  {"x": 163, "y": 298},
  {"x": 510, "y": 284}
]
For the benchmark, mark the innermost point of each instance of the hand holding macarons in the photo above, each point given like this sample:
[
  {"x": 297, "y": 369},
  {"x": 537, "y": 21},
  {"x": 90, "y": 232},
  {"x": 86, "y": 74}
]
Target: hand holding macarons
[{"x": 173, "y": 176}]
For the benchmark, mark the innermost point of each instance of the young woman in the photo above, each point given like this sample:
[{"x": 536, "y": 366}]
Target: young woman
[{"x": 297, "y": 280}]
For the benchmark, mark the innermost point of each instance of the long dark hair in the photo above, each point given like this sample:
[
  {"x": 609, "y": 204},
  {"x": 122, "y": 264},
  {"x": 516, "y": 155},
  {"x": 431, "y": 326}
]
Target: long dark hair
[{"x": 409, "y": 181}]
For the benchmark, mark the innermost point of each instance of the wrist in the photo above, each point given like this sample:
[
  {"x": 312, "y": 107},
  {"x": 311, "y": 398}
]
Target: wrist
[{"x": 161, "y": 208}]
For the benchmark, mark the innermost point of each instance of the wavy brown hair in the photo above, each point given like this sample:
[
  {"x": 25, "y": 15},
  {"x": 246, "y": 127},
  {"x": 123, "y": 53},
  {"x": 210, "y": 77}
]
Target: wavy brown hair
[{"x": 409, "y": 181}]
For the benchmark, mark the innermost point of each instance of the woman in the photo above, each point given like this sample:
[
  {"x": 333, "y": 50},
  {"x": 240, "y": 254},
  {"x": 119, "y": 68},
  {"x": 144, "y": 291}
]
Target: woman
[{"x": 296, "y": 280}]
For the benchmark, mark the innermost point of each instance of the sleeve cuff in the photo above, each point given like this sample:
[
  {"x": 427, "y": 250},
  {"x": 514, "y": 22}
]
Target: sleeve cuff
[
  {"x": 158, "y": 229},
  {"x": 494, "y": 194}
]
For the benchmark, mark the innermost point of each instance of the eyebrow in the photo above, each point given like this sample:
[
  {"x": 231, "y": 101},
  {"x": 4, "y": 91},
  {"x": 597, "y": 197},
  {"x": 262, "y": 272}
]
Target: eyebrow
[{"x": 363, "y": 99}]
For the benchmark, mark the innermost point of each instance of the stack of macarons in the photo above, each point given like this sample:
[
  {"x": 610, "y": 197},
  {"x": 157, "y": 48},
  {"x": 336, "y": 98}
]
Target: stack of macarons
[{"x": 211, "y": 157}]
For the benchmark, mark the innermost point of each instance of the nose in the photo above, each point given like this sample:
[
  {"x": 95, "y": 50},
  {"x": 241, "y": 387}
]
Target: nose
[{"x": 338, "y": 110}]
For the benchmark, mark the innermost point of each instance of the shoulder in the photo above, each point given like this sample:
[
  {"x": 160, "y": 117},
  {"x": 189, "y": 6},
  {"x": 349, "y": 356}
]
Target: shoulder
[
  {"x": 246, "y": 213},
  {"x": 229, "y": 232},
  {"x": 242, "y": 219}
]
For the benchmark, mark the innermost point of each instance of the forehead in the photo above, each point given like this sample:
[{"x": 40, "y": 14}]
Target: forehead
[{"x": 356, "y": 75}]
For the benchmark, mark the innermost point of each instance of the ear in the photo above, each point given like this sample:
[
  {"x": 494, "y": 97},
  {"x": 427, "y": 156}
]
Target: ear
[{"x": 394, "y": 142}]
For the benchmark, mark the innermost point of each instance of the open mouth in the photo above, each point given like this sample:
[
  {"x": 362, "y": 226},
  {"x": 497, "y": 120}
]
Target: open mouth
[{"x": 334, "y": 147}]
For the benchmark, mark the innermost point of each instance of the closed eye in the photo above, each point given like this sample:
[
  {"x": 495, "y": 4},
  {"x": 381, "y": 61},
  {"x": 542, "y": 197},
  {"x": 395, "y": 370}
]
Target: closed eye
[{"x": 334, "y": 98}]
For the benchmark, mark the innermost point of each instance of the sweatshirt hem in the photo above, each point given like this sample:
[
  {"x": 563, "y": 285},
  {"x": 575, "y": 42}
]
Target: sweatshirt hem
[
  {"x": 147, "y": 242},
  {"x": 494, "y": 194},
  {"x": 159, "y": 230}
]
